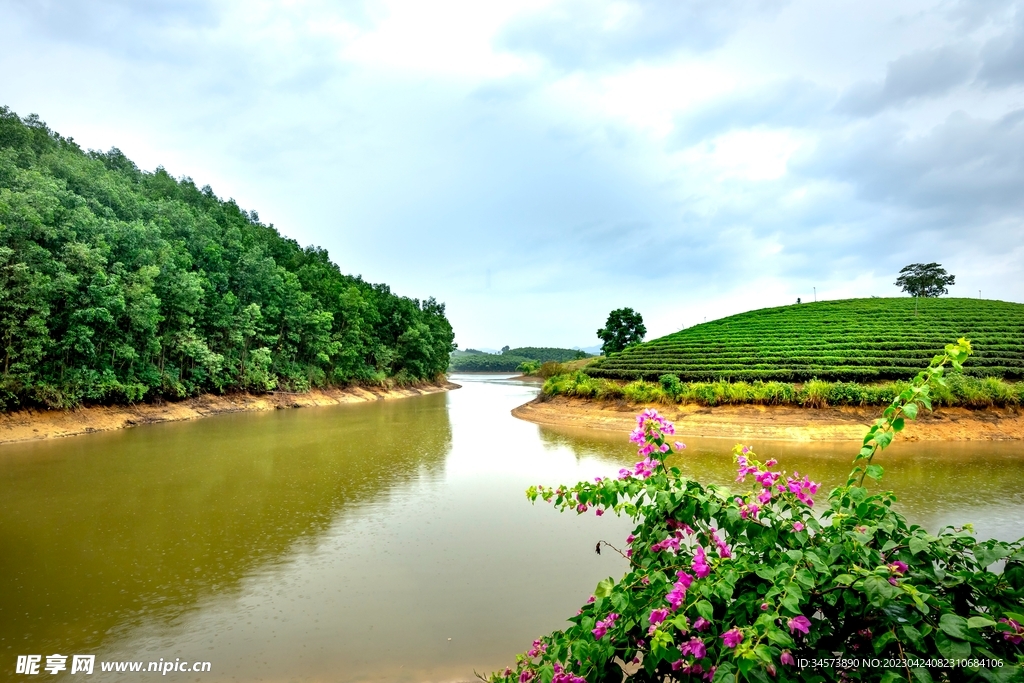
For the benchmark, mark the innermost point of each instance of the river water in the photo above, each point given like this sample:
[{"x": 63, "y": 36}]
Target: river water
[{"x": 388, "y": 541}]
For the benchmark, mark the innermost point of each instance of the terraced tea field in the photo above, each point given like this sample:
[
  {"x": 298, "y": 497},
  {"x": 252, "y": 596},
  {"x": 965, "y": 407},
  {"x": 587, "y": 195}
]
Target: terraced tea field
[{"x": 852, "y": 340}]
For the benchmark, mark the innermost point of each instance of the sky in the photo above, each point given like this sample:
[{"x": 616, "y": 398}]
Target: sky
[{"x": 536, "y": 164}]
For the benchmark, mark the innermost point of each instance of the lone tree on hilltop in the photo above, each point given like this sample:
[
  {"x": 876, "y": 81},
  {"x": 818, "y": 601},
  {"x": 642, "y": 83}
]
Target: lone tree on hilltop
[
  {"x": 625, "y": 327},
  {"x": 925, "y": 279}
]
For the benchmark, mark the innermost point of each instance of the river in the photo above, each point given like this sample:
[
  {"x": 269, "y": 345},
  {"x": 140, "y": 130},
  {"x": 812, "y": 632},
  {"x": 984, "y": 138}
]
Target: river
[{"x": 386, "y": 541}]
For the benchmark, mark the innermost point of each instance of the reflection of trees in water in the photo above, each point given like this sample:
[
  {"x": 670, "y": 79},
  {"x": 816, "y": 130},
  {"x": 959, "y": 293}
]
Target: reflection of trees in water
[
  {"x": 936, "y": 483},
  {"x": 105, "y": 532}
]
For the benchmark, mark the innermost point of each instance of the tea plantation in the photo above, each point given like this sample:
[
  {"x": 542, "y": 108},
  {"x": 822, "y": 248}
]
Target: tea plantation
[{"x": 851, "y": 340}]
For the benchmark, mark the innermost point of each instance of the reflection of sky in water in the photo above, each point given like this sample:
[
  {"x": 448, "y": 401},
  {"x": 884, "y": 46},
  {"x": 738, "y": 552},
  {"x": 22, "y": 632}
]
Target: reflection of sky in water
[{"x": 351, "y": 543}]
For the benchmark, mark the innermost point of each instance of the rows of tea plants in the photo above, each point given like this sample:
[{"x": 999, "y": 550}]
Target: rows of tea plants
[{"x": 855, "y": 340}]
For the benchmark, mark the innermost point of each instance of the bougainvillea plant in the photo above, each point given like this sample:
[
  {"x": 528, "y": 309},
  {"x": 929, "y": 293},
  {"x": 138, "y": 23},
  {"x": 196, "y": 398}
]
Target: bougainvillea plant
[{"x": 769, "y": 584}]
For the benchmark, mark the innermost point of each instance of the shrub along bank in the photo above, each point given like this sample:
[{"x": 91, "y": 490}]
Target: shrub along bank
[{"x": 960, "y": 390}]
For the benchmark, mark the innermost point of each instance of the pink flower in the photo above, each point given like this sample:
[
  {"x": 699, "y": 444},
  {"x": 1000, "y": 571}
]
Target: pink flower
[
  {"x": 700, "y": 563},
  {"x": 764, "y": 606},
  {"x": 732, "y": 637},
  {"x": 787, "y": 658},
  {"x": 710, "y": 675},
  {"x": 798, "y": 526},
  {"x": 764, "y": 496},
  {"x": 723, "y": 549},
  {"x": 803, "y": 489},
  {"x": 676, "y": 596},
  {"x": 800, "y": 623},
  {"x": 680, "y": 446},
  {"x": 539, "y": 648},
  {"x": 695, "y": 647},
  {"x": 1017, "y": 635},
  {"x": 601, "y": 627},
  {"x": 526, "y": 676},
  {"x": 701, "y": 624},
  {"x": 898, "y": 567},
  {"x": 658, "y": 615}
]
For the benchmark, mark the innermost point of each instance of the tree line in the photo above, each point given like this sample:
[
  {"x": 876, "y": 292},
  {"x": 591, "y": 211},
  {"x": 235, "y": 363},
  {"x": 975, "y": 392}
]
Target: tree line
[{"x": 118, "y": 284}]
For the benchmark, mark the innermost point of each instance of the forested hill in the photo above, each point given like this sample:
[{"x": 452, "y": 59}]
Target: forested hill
[{"x": 122, "y": 285}]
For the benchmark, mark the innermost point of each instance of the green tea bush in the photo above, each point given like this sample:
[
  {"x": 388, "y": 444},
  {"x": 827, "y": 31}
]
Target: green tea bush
[
  {"x": 754, "y": 585},
  {"x": 856, "y": 340}
]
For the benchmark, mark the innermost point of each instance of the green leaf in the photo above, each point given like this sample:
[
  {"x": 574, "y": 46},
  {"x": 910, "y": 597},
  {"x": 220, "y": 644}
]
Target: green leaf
[
  {"x": 910, "y": 410},
  {"x": 604, "y": 588},
  {"x": 952, "y": 649},
  {"x": 986, "y": 555},
  {"x": 878, "y": 590},
  {"x": 890, "y": 677},
  {"x": 882, "y": 641},
  {"x": 917, "y": 544},
  {"x": 875, "y": 472},
  {"x": 705, "y": 609},
  {"x": 980, "y": 622},
  {"x": 913, "y": 636},
  {"x": 921, "y": 674},
  {"x": 897, "y": 424},
  {"x": 954, "y": 625}
]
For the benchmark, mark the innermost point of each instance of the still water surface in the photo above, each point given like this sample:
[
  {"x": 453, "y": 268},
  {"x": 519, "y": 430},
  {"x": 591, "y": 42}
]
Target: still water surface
[{"x": 375, "y": 542}]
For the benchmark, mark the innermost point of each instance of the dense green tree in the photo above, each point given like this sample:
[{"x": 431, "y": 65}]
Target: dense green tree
[
  {"x": 121, "y": 285},
  {"x": 625, "y": 327},
  {"x": 925, "y": 279}
]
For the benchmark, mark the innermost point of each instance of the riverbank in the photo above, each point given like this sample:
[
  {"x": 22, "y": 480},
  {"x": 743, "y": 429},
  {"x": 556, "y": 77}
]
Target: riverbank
[
  {"x": 784, "y": 423},
  {"x": 29, "y": 424}
]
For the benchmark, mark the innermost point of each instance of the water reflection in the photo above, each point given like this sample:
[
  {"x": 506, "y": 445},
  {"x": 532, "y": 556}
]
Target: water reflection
[
  {"x": 937, "y": 484},
  {"x": 101, "y": 534}
]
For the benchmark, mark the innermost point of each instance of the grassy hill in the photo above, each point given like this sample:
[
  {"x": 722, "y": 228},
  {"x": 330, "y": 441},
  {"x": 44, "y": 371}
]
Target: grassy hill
[{"x": 860, "y": 340}]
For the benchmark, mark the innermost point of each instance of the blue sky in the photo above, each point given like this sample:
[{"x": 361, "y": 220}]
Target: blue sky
[{"x": 535, "y": 164}]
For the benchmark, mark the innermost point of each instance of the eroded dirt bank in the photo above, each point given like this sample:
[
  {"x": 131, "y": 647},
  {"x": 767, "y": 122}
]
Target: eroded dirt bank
[
  {"x": 777, "y": 422},
  {"x": 26, "y": 425}
]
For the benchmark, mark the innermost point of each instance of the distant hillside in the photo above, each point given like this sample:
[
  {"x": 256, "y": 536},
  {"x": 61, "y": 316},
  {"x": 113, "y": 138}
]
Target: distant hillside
[
  {"x": 851, "y": 340},
  {"x": 510, "y": 360}
]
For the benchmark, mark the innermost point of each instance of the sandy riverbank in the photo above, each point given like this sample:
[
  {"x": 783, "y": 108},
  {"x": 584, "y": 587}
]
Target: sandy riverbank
[
  {"x": 27, "y": 425},
  {"x": 785, "y": 423}
]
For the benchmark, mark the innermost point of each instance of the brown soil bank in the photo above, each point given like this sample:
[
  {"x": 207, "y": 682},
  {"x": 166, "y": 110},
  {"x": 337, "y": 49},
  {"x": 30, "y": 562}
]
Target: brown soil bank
[
  {"x": 25, "y": 425},
  {"x": 785, "y": 423}
]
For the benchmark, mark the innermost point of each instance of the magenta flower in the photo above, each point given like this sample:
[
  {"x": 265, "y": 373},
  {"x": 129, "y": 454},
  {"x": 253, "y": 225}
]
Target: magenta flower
[
  {"x": 526, "y": 676},
  {"x": 700, "y": 563},
  {"x": 539, "y": 648},
  {"x": 710, "y": 675},
  {"x": 732, "y": 637},
  {"x": 601, "y": 627},
  {"x": 695, "y": 647},
  {"x": 800, "y": 623},
  {"x": 658, "y": 615},
  {"x": 803, "y": 489},
  {"x": 723, "y": 549},
  {"x": 787, "y": 658},
  {"x": 1017, "y": 635},
  {"x": 598, "y": 511},
  {"x": 701, "y": 624},
  {"x": 764, "y": 496},
  {"x": 898, "y": 567}
]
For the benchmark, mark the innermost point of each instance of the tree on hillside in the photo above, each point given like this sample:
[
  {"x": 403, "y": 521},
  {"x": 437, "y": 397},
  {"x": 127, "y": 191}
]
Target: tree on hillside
[
  {"x": 925, "y": 279},
  {"x": 625, "y": 327}
]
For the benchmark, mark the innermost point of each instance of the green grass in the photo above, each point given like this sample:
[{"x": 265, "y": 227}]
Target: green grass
[{"x": 856, "y": 340}]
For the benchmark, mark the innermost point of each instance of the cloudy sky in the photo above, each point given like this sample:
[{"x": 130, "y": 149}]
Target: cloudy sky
[{"x": 535, "y": 164}]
